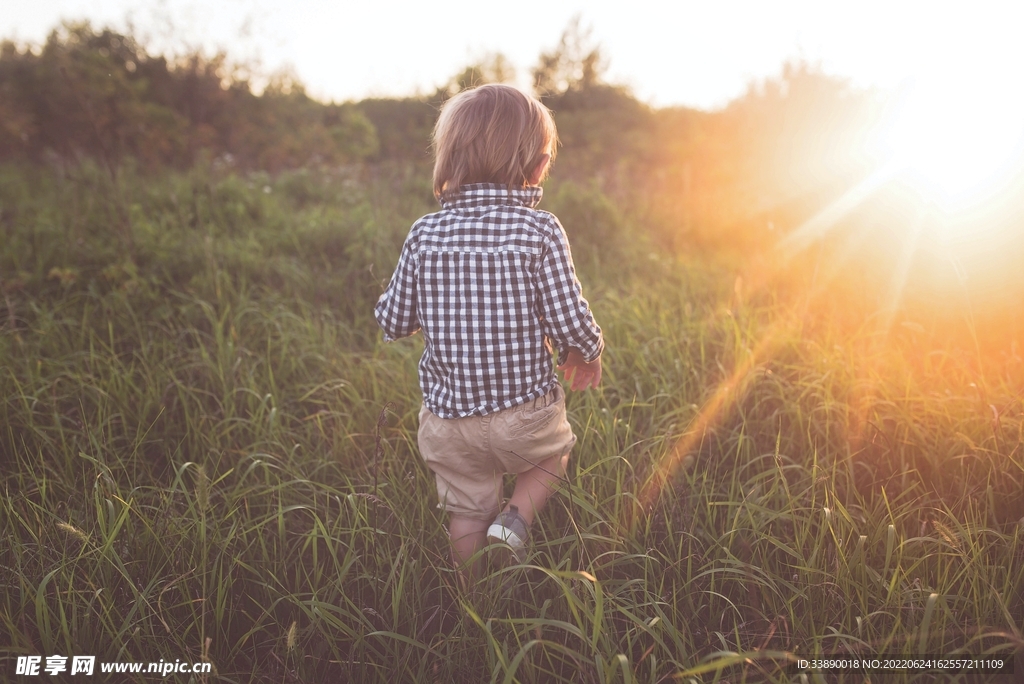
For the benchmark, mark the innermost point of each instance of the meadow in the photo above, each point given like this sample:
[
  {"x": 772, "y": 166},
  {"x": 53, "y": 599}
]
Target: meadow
[{"x": 208, "y": 454}]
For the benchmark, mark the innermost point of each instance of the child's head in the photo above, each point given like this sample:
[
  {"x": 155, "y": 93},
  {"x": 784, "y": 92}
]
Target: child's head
[{"x": 492, "y": 134}]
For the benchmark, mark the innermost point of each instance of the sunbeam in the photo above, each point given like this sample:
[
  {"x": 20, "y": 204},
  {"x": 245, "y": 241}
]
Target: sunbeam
[
  {"x": 828, "y": 218},
  {"x": 725, "y": 395}
]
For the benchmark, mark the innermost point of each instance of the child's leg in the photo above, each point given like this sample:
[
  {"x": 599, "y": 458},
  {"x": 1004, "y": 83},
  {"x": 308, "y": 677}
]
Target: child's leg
[
  {"x": 468, "y": 536},
  {"x": 535, "y": 486},
  {"x": 453, "y": 450}
]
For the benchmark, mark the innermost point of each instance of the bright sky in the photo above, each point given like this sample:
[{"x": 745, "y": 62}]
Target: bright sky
[{"x": 699, "y": 53}]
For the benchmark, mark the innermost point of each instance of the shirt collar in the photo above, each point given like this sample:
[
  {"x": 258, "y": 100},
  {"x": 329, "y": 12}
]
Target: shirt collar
[{"x": 489, "y": 194}]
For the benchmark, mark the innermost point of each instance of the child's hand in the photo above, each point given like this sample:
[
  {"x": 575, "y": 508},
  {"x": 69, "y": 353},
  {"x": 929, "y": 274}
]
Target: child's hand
[{"x": 580, "y": 374}]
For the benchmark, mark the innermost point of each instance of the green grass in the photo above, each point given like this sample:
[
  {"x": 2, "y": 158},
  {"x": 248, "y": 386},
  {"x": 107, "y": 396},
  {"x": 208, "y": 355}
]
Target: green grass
[{"x": 194, "y": 468}]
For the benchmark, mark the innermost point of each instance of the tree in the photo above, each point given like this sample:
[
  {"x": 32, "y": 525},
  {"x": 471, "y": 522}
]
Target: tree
[
  {"x": 575, "y": 64},
  {"x": 99, "y": 94},
  {"x": 493, "y": 68}
]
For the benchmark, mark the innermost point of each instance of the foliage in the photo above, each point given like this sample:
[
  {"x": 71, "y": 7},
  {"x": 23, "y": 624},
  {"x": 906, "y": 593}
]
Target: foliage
[
  {"x": 757, "y": 169},
  {"x": 403, "y": 127},
  {"x": 191, "y": 469},
  {"x": 208, "y": 454},
  {"x": 99, "y": 94},
  {"x": 576, "y": 63},
  {"x": 493, "y": 68},
  {"x": 771, "y": 158}
]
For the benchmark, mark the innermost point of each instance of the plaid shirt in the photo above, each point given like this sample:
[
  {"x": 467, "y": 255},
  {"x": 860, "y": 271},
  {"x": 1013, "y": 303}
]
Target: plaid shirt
[{"x": 488, "y": 278}]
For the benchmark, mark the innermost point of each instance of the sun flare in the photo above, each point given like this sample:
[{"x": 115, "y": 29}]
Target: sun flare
[
  {"x": 941, "y": 208},
  {"x": 958, "y": 144}
]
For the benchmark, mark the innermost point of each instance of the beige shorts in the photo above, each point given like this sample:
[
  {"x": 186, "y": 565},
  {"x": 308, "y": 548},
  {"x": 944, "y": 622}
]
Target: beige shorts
[{"x": 469, "y": 455}]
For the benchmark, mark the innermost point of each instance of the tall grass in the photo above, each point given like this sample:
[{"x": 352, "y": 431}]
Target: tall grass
[{"x": 194, "y": 465}]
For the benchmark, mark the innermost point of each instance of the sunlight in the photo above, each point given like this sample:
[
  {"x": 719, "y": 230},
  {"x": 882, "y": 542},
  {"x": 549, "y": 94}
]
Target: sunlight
[
  {"x": 943, "y": 203},
  {"x": 722, "y": 399},
  {"x": 829, "y": 217},
  {"x": 957, "y": 142}
]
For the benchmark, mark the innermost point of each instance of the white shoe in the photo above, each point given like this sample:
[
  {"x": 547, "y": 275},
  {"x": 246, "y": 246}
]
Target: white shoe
[{"x": 510, "y": 528}]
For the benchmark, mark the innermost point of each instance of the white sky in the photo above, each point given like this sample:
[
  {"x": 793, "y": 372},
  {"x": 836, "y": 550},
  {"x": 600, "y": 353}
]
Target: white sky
[{"x": 699, "y": 53}]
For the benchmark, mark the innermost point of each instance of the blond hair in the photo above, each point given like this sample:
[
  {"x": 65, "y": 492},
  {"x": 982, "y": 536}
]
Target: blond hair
[{"x": 490, "y": 134}]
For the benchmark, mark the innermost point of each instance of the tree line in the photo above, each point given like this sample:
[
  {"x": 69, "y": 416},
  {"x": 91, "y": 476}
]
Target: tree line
[{"x": 97, "y": 93}]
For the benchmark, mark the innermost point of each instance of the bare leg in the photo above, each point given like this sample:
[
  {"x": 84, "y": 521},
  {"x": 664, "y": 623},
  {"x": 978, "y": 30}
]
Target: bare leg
[
  {"x": 468, "y": 536},
  {"x": 535, "y": 486}
]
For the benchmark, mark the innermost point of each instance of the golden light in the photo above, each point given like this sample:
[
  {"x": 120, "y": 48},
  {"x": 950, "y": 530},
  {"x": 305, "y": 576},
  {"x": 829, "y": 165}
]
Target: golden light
[{"x": 958, "y": 142}]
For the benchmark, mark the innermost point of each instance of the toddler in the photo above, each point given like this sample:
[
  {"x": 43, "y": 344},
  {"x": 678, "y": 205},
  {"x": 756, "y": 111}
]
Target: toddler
[{"x": 490, "y": 281}]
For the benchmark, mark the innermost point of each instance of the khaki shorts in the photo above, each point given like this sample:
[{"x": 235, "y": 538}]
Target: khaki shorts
[{"x": 469, "y": 455}]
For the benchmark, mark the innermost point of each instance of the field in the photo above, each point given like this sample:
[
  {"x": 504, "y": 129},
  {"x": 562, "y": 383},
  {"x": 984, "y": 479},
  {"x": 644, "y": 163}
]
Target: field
[{"x": 208, "y": 454}]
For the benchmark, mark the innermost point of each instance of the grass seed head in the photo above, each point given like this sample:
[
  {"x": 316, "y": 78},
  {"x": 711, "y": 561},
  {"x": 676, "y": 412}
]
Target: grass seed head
[
  {"x": 949, "y": 535},
  {"x": 74, "y": 532},
  {"x": 291, "y": 637}
]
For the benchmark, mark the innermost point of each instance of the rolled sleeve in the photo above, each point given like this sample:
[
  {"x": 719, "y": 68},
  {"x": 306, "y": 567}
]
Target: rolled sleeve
[{"x": 566, "y": 317}]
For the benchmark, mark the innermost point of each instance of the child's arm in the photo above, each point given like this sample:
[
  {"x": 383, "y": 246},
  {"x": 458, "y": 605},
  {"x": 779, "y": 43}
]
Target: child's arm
[
  {"x": 396, "y": 308},
  {"x": 566, "y": 316}
]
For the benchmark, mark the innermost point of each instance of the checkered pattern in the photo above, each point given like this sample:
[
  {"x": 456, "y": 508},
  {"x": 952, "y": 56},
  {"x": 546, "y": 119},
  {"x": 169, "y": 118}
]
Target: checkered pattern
[{"x": 488, "y": 278}]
